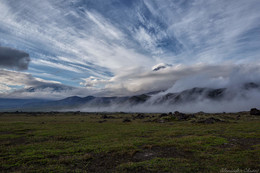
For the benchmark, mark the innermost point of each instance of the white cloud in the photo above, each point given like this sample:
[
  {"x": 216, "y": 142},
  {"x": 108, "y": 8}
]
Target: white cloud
[
  {"x": 32, "y": 87},
  {"x": 13, "y": 78},
  {"x": 93, "y": 82},
  {"x": 4, "y": 88},
  {"x": 178, "y": 78}
]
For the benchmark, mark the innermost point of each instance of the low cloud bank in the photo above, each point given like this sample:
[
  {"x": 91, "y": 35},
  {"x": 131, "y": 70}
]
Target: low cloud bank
[
  {"x": 241, "y": 102},
  {"x": 176, "y": 78},
  {"x": 26, "y": 86},
  {"x": 241, "y": 85}
]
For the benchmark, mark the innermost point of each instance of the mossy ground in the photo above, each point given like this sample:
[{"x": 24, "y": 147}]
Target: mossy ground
[{"x": 84, "y": 142}]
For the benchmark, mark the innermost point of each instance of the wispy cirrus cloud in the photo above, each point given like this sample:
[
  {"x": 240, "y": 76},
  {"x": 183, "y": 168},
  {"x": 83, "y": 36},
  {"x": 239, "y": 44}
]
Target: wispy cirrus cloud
[
  {"x": 213, "y": 31},
  {"x": 94, "y": 41},
  {"x": 112, "y": 45}
]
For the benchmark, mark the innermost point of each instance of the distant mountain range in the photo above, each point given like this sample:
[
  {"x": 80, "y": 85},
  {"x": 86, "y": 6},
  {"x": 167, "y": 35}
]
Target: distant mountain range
[{"x": 153, "y": 98}]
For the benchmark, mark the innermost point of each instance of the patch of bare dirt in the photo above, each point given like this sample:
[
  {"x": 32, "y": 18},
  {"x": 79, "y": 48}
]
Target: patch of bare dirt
[
  {"x": 244, "y": 143},
  {"x": 110, "y": 161}
]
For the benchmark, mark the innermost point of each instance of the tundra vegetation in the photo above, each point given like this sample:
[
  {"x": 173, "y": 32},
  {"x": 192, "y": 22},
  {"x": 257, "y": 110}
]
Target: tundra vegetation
[{"x": 129, "y": 142}]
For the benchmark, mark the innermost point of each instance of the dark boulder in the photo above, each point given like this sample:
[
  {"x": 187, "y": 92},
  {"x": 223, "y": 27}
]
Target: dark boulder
[
  {"x": 77, "y": 112},
  {"x": 104, "y": 117},
  {"x": 163, "y": 115},
  {"x": 126, "y": 120},
  {"x": 102, "y": 121},
  {"x": 254, "y": 111}
]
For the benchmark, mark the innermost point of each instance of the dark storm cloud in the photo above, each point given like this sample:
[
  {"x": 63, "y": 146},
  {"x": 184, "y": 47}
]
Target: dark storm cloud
[{"x": 14, "y": 59}]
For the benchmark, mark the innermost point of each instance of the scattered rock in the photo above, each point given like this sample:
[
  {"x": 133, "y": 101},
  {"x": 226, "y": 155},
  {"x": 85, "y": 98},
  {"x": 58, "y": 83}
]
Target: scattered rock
[
  {"x": 107, "y": 117},
  {"x": 126, "y": 120},
  {"x": 210, "y": 120},
  {"x": 159, "y": 120},
  {"x": 254, "y": 111},
  {"x": 140, "y": 116},
  {"x": 182, "y": 116}
]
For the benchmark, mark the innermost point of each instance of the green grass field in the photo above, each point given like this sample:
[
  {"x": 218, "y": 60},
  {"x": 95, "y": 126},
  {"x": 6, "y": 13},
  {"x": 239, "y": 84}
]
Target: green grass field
[{"x": 88, "y": 142}]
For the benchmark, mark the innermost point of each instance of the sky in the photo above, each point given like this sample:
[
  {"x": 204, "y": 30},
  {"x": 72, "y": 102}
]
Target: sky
[{"x": 61, "y": 48}]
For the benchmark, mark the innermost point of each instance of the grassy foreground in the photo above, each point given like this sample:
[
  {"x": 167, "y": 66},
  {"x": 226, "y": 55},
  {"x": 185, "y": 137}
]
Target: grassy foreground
[{"x": 88, "y": 142}]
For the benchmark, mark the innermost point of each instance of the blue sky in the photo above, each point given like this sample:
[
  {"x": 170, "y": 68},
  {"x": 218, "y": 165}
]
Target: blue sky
[{"x": 112, "y": 46}]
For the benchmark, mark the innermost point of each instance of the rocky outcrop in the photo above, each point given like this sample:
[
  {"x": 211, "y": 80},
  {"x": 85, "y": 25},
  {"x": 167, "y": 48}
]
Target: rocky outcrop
[
  {"x": 254, "y": 111},
  {"x": 181, "y": 116},
  {"x": 210, "y": 120}
]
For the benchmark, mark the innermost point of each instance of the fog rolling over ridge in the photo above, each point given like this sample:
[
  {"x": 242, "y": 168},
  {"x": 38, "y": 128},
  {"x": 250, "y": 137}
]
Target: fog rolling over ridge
[
  {"x": 238, "y": 90},
  {"x": 193, "y": 100},
  {"x": 190, "y": 100}
]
